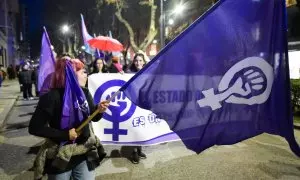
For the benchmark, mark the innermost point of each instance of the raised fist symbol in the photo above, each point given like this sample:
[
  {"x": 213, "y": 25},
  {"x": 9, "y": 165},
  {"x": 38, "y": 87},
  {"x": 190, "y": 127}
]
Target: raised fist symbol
[
  {"x": 247, "y": 82},
  {"x": 117, "y": 104}
]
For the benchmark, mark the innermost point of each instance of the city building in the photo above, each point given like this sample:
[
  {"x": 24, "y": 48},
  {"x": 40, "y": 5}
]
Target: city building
[{"x": 9, "y": 11}]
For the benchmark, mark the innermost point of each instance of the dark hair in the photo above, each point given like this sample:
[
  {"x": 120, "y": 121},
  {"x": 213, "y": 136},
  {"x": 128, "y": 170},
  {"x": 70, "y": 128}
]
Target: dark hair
[
  {"x": 132, "y": 67},
  {"x": 95, "y": 67}
]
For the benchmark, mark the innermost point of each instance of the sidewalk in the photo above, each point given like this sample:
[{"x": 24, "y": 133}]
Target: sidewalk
[
  {"x": 9, "y": 93},
  {"x": 297, "y": 125}
]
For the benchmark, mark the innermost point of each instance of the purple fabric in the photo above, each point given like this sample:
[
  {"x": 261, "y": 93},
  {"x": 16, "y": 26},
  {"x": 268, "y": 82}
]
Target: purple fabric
[
  {"x": 46, "y": 64},
  {"x": 75, "y": 106},
  {"x": 157, "y": 140},
  {"x": 224, "y": 79}
]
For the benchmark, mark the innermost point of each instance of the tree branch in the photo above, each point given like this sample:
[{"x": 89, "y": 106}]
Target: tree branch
[
  {"x": 129, "y": 28},
  {"x": 152, "y": 30}
]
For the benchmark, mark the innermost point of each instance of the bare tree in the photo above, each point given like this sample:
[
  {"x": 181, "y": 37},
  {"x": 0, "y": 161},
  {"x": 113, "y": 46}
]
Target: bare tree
[{"x": 120, "y": 5}]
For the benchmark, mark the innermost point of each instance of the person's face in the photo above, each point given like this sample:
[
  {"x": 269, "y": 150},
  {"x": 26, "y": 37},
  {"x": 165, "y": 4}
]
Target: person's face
[
  {"x": 82, "y": 77},
  {"x": 99, "y": 64},
  {"x": 139, "y": 62}
]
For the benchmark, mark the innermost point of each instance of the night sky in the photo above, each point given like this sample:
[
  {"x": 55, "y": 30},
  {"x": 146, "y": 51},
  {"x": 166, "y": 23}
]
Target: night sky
[
  {"x": 36, "y": 16},
  {"x": 54, "y": 13}
]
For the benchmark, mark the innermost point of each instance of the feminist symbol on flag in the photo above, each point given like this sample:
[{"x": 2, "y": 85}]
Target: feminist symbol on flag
[
  {"x": 120, "y": 109},
  {"x": 248, "y": 82}
]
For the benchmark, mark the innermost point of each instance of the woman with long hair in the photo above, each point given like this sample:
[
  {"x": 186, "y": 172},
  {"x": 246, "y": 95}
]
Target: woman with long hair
[
  {"x": 138, "y": 63},
  {"x": 99, "y": 66}
]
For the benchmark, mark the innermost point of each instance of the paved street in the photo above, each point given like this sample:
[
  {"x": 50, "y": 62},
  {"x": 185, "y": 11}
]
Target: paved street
[{"x": 262, "y": 157}]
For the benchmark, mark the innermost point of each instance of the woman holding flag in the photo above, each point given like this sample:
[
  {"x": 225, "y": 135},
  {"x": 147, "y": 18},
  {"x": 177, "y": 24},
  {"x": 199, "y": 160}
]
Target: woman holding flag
[{"x": 67, "y": 152}]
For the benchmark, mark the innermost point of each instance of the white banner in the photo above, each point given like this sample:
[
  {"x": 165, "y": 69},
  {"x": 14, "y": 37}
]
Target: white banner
[{"x": 123, "y": 122}]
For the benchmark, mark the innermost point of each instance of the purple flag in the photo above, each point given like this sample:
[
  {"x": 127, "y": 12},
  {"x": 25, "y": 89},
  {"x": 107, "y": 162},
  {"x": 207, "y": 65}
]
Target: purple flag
[
  {"x": 75, "y": 106},
  {"x": 224, "y": 79},
  {"x": 86, "y": 36},
  {"x": 46, "y": 64}
]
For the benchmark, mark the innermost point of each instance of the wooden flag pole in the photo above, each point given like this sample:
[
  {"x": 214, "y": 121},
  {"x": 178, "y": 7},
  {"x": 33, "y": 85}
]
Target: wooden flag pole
[{"x": 85, "y": 122}]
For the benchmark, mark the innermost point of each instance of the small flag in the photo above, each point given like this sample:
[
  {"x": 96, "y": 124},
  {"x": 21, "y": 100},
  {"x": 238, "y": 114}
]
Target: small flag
[
  {"x": 86, "y": 36},
  {"x": 46, "y": 64}
]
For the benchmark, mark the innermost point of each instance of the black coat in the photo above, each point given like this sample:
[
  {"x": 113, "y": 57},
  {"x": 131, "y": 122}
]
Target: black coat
[
  {"x": 46, "y": 119},
  {"x": 26, "y": 77}
]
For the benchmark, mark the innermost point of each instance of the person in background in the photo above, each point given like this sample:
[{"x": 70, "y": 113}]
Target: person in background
[
  {"x": 19, "y": 69},
  {"x": 48, "y": 122},
  {"x": 99, "y": 66},
  {"x": 116, "y": 66},
  {"x": 26, "y": 81},
  {"x": 10, "y": 71},
  {"x": 35, "y": 78},
  {"x": 3, "y": 73},
  {"x": 138, "y": 63}
]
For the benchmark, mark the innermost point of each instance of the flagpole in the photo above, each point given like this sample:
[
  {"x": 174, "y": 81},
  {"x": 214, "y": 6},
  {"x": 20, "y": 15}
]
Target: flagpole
[
  {"x": 85, "y": 122},
  {"x": 162, "y": 25}
]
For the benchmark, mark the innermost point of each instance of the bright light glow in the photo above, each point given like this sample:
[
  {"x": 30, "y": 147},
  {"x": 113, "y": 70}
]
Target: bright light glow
[
  {"x": 83, "y": 47},
  {"x": 65, "y": 28},
  {"x": 154, "y": 41},
  {"x": 178, "y": 9},
  {"x": 171, "y": 21}
]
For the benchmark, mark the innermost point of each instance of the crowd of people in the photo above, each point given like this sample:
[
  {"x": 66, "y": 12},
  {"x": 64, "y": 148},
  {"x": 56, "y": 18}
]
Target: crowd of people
[{"x": 27, "y": 75}]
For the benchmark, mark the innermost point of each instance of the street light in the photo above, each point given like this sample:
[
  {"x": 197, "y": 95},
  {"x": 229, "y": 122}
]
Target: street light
[
  {"x": 178, "y": 9},
  {"x": 171, "y": 22},
  {"x": 65, "y": 29}
]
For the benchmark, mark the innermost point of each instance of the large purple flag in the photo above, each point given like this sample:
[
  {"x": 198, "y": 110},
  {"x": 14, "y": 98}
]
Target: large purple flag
[
  {"x": 75, "y": 106},
  {"x": 86, "y": 36},
  {"x": 46, "y": 64},
  {"x": 224, "y": 79}
]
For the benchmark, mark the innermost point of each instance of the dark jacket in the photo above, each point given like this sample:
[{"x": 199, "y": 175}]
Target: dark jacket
[
  {"x": 26, "y": 77},
  {"x": 45, "y": 122},
  {"x": 35, "y": 76},
  {"x": 112, "y": 69}
]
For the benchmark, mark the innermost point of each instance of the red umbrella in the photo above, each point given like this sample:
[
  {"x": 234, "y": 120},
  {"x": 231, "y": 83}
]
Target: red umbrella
[{"x": 105, "y": 43}]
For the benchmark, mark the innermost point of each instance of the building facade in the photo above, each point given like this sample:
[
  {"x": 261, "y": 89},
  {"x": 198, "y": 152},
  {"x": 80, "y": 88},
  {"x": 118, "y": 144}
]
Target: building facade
[{"x": 9, "y": 13}]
